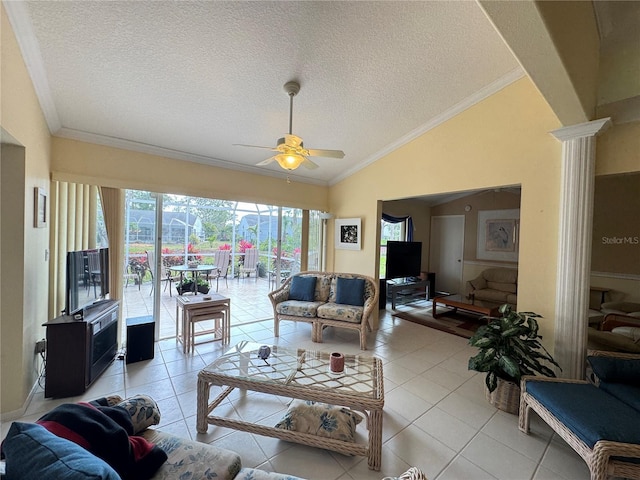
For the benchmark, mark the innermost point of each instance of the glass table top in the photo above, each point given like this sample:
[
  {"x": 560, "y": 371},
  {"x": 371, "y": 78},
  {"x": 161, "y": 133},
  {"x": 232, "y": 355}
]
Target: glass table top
[{"x": 298, "y": 367}]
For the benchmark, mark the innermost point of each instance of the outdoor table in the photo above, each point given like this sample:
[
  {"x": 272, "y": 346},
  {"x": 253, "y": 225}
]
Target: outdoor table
[{"x": 195, "y": 271}]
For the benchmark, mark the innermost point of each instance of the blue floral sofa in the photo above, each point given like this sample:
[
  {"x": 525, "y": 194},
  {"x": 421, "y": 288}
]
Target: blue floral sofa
[
  {"x": 32, "y": 451},
  {"x": 343, "y": 300}
]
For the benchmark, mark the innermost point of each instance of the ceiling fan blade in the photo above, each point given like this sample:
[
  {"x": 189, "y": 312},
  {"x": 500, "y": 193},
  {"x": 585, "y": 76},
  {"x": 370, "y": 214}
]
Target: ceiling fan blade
[
  {"x": 253, "y": 146},
  {"x": 309, "y": 164},
  {"x": 266, "y": 162},
  {"x": 326, "y": 153}
]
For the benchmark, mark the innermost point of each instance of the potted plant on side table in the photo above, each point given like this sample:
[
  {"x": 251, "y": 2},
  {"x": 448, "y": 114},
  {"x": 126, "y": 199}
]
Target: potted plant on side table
[{"x": 509, "y": 348}]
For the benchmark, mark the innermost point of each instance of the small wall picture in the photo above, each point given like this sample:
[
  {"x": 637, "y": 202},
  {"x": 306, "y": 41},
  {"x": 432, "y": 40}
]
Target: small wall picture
[
  {"x": 498, "y": 235},
  {"x": 39, "y": 208},
  {"x": 348, "y": 233}
]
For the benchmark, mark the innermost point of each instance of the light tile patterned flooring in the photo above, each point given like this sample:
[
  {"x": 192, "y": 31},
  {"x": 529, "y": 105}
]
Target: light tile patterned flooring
[{"x": 435, "y": 416}]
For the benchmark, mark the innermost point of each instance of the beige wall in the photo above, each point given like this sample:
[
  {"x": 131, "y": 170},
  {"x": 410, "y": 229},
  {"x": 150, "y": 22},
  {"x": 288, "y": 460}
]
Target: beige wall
[
  {"x": 487, "y": 200},
  {"x": 24, "y": 303},
  {"x": 577, "y": 44},
  {"x": 618, "y": 150},
  {"x": 615, "y": 255},
  {"x": 82, "y": 162},
  {"x": 503, "y": 140}
]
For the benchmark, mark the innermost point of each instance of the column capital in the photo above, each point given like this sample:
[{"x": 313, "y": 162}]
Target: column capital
[{"x": 587, "y": 129}]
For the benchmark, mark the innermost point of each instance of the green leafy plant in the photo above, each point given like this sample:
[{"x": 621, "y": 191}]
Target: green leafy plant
[{"x": 510, "y": 348}]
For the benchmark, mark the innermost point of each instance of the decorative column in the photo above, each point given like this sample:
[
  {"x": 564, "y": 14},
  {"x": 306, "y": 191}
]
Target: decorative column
[{"x": 574, "y": 246}]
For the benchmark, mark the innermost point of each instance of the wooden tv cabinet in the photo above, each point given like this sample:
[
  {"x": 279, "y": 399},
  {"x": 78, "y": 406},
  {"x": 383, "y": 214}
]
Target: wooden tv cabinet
[{"x": 80, "y": 350}]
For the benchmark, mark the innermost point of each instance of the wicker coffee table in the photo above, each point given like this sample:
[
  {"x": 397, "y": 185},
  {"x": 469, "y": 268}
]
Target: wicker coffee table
[{"x": 303, "y": 375}]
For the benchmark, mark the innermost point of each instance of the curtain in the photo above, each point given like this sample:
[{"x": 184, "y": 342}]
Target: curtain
[
  {"x": 74, "y": 215},
  {"x": 113, "y": 210},
  {"x": 73, "y": 227},
  {"x": 409, "y": 220}
]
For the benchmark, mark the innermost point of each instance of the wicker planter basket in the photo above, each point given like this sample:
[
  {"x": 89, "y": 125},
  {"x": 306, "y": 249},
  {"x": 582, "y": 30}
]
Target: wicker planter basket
[{"x": 505, "y": 397}]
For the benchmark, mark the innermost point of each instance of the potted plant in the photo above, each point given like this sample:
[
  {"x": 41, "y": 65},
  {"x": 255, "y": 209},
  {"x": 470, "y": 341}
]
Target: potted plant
[
  {"x": 187, "y": 286},
  {"x": 509, "y": 348}
]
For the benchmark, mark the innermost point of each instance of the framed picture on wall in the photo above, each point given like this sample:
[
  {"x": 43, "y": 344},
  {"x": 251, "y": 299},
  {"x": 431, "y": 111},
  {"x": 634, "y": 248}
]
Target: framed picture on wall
[
  {"x": 39, "y": 207},
  {"x": 498, "y": 234},
  {"x": 348, "y": 233}
]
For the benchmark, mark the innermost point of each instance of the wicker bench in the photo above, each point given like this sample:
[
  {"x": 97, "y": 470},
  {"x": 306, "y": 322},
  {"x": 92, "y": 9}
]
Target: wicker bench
[{"x": 599, "y": 421}]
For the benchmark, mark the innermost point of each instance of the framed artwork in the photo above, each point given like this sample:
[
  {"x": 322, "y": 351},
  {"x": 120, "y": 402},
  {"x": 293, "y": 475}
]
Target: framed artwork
[
  {"x": 498, "y": 235},
  {"x": 348, "y": 233},
  {"x": 39, "y": 207}
]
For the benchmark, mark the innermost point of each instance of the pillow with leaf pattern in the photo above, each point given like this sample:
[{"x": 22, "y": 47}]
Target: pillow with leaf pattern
[{"x": 321, "y": 419}]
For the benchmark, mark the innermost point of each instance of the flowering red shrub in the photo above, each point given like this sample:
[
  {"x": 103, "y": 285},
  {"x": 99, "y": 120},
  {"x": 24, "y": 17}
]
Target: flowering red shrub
[
  {"x": 191, "y": 250},
  {"x": 226, "y": 246},
  {"x": 243, "y": 245},
  {"x": 170, "y": 260}
]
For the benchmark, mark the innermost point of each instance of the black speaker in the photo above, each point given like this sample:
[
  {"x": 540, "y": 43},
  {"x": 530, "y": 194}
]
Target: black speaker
[{"x": 140, "y": 338}]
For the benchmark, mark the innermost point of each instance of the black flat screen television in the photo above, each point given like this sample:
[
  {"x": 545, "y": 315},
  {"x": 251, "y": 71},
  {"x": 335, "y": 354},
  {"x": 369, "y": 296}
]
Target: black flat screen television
[
  {"x": 404, "y": 259},
  {"x": 87, "y": 278}
]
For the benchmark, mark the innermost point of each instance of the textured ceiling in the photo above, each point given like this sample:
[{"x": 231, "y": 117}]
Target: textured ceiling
[{"x": 189, "y": 79}]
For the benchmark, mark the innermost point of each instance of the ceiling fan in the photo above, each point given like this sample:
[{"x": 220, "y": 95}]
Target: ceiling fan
[{"x": 291, "y": 152}]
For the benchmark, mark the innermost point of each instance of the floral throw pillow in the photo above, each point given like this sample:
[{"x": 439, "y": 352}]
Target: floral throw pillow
[
  {"x": 144, "y": 412},
  {"x": 321, "y": 419}
]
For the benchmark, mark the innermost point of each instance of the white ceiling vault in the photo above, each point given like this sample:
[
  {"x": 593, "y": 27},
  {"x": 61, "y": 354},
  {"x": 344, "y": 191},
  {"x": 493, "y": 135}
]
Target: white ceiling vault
[{"x": 189, "y": 79}]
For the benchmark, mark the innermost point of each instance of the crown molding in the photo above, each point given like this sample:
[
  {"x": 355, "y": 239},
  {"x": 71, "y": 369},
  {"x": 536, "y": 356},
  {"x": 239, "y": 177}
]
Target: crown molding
[
  {"x": 178, "y": 155},
  {"x": 470, "y": 101},
  {"x": 30, "y": 49}
]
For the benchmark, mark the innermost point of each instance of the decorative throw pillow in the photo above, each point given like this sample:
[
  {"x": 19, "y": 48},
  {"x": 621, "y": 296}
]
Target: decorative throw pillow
[
  {"x": 144, "y": 412},
  {"x": 413, "y": 473},
  {"x": 350, "y": 291},
  {"x": 321, "y": 419},
  {"x": 616, "y": 370},
  {"x": 302, "y": 288},
  {"x": 33, "y": 452}
]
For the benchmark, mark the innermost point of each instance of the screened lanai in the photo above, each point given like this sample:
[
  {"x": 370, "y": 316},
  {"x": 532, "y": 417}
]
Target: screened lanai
[{"x": 191, "y": 231}]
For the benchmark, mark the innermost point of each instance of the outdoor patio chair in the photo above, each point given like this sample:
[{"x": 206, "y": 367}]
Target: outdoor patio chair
[
  {"x": 169, "y": 277},
  {"x": 250, "y": 264},
  {"x": 151, "y": 266},
  {"x": 93, "y": 260},
  {"x": 131, "y": 274},
  {"x": 222, "y": 261}
]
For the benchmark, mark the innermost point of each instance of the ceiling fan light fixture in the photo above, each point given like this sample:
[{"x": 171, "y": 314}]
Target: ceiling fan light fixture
[{"x": 289, "y": 161}]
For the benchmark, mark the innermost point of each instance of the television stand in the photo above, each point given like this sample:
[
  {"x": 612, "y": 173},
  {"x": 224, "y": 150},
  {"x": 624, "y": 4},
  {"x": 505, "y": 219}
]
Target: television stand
[{"x": 410, "y": 289}]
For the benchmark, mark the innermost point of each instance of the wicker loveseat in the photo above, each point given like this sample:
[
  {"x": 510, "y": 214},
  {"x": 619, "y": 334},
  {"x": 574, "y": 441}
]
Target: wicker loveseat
[
  {"x": 598, "y": 419},
  {"x": 343, "y": 300}
]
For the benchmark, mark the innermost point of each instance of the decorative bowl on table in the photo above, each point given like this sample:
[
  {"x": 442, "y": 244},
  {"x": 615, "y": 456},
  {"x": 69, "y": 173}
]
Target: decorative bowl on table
[{"x": 192, "y": 264}]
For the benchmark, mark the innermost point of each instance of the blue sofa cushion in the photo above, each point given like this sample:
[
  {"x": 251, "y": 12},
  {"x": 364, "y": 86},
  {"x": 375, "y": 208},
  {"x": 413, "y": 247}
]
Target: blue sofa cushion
[
  {"x": 33, "y": 452},
  {"x": 350, "y": 291},
  {"x": 616, "y": 370},
  {"x": 302, "y": 288},
  {"x": 590, "y": 413},
  {"x": 629, "y": 394}
]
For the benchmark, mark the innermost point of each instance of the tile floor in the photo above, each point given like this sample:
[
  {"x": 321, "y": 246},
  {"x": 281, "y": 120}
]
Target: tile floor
[{"x": 435, "y": 415}]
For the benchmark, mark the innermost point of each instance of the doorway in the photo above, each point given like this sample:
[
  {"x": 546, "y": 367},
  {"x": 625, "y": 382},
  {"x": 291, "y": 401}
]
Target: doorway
[{"x": 446, "y": 251}]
